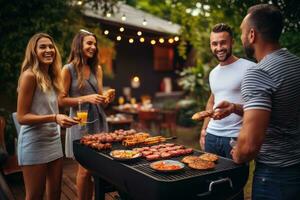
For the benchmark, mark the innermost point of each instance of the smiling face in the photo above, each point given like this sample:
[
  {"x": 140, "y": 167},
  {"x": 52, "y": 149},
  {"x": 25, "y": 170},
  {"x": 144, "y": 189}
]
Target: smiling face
[
  {"x": 89, "y": 46},
  {"x": 221, "y": 45},
  {"x": 45, "y": 51},
  {"x": 248, "y": 47}
]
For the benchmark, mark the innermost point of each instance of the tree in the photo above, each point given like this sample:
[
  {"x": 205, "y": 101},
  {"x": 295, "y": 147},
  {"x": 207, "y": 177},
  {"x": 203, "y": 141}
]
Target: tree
[{"x": 21, "y": 19}]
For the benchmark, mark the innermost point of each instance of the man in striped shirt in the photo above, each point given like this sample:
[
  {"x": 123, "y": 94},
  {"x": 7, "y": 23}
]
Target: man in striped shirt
[{"x": 271, "y": 123}]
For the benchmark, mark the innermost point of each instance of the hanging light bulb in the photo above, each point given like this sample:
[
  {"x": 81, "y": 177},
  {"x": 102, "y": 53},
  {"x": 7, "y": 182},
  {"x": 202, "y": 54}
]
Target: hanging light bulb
[
  {"x": 161, "y": 40},
  {"x": 176, "y": 38},
  {"x": 131, "y": 40},
  {"x": 139, "y": 33},
  {"x": 142, "y": 39},
  {"x": 108, "y": 15},
  {"x": 119, "y": 38},
  {"x": 171, "y": 40},
  {"x": 106, "y": 32},
  {"x": 144, "y": 22},
  {"x": 153, "y": 42},
  {"x": 122, "y": 29},
  {"x": 79, "y": 3},
  {"x": 123, "y": 18}
]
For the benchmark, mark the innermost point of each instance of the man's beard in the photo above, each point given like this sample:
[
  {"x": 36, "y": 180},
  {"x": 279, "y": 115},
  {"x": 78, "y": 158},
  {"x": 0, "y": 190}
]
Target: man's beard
[
  {"x": 249, "y": 51},
  {"x": 227, "y": 55}
]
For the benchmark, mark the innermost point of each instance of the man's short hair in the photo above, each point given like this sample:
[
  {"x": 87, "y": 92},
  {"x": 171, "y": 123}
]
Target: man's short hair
[
  {"x": 267, "y": 20},
  {"x": 221, "y": 27}
]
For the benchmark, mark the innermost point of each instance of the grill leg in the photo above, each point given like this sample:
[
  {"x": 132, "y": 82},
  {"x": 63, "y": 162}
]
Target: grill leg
[{"x": 99, "y": 188}]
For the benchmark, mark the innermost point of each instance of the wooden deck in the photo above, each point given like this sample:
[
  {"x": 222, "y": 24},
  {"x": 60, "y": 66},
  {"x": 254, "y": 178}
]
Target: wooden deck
[{"x": 68, "y": 190}]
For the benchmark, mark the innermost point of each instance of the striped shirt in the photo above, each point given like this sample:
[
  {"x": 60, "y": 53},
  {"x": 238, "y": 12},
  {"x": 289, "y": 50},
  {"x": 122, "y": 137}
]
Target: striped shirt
[{"x": 274, "y": 85}]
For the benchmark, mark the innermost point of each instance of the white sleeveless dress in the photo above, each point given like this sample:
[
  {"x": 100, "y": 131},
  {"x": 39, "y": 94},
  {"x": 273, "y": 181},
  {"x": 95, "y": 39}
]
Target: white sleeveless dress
[{"x": 40, "y": 143}]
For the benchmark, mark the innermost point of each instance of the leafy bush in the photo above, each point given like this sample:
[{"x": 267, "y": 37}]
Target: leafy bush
[{"x": 10, "y": 131}]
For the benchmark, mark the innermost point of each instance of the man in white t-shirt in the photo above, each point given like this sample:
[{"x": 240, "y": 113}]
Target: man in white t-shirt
[{"x": 225, "y": 100}]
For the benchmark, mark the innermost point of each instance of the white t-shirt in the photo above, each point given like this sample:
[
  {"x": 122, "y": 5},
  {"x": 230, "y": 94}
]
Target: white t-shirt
[{"x": 225, "y": 84}]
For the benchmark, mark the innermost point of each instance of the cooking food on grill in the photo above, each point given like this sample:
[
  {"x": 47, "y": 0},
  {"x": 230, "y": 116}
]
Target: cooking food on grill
[
  {"x": 125, "y": 154},
  {"x": 135, "y": 139},
  {"x": 202, "y": 165},
  {"x": 163, "y": 151},
  {"x": 209, "y": 157},
  {"x": 202, "y": 115},
  {"x": 167, "y": 165},
  {"x": 154, "y": 140},
  {"x": 96, "y": 145},
  {"x": 190, "y": 159}
]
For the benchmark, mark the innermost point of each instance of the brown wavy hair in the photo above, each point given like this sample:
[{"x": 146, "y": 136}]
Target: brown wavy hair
[
  {"x": 49, "y": 80},
  {"x": 76, "y": 56}
]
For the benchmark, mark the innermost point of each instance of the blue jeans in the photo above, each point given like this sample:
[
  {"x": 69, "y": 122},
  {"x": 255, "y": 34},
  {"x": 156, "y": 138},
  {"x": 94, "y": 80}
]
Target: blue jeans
[
  {"x": 276, "y": 183},
  {"x": 218, "y": 145}
]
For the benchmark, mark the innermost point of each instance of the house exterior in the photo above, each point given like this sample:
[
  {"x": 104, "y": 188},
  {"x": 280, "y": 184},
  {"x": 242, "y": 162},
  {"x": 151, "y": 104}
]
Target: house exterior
[{"x": 145, "y": 47}]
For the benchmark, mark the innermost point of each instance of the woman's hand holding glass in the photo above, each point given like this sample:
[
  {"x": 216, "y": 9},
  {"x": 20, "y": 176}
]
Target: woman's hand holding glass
[{"x": 65, "y": 121}]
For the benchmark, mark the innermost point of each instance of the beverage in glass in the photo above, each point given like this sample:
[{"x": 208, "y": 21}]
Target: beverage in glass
[{"x": 82, "y": 115}]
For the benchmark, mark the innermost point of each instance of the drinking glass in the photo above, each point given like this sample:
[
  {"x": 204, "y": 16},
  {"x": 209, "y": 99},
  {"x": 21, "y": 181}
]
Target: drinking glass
[{"x": 82, "y": 115}]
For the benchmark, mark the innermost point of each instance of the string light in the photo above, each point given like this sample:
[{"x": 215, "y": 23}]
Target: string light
[
  {"x": 108, "y": 15},
  {"x": 131, "y": 40},
  {"x": 123, "y": 18},
  {"x": 161, "y": 40},
  {"x": 144, "y": 22},
  {"x": 106, "y": 32},
  {"x": 171, "y": 40},
  {"x": 79, "y": 3},
  {"x": 153, "y": 42}
]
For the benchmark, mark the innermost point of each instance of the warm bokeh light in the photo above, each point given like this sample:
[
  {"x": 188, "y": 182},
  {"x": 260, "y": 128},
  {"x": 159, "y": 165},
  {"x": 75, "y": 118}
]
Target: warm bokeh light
[
  {"x": 106, "y": 32},
  {"x": 161, "y": 40},
  {"x": 142, "y": 39},
  {"x": 119, "y": 38},
  {"x": 176, "y": 38},
  {"x": 123, "y": 18},
  {"x": 153, "y": 42},
  {"x": 170, "y": 40},
  {"x": 122, "y": 29},
  {"x": 144, "y": 22},
  {"x": 139, "y": 33},
  {"x": 131, "y": 40}
]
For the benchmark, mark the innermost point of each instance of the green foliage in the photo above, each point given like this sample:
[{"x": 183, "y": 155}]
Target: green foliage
[
  {"x": 22, "y": 19},
  {"x": 10, "y": 130},
  {"x": 194, "y": 81}
]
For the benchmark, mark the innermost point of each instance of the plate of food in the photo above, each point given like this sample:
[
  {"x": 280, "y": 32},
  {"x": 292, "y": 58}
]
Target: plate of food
[
  {"x": 125, "y": 154},
  {"x": 167, "y": 166}
]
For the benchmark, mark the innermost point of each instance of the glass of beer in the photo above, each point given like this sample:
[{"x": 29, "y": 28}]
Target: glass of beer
[{"x": 82, "y": 115}]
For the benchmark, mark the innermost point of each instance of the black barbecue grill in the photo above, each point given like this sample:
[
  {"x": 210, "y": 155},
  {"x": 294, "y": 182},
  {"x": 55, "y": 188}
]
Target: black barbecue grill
[{"x": 141, "y": 182}]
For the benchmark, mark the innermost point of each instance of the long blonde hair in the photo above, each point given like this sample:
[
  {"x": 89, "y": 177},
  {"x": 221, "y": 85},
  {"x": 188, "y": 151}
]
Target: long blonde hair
[
  {"x": 49, "y": 80},
  {"x": 76, "y": 56}
]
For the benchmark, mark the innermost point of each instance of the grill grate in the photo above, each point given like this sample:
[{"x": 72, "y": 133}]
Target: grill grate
[
  {"x": 187, "y": 172},
  {"x": 143, "y": 166}
]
